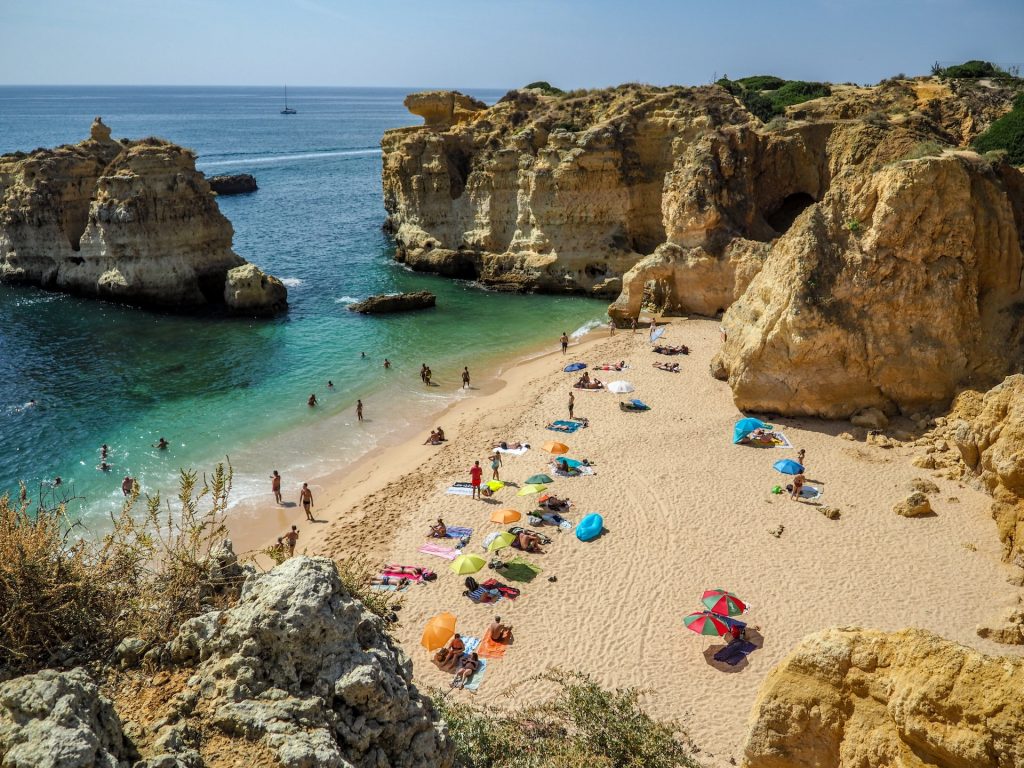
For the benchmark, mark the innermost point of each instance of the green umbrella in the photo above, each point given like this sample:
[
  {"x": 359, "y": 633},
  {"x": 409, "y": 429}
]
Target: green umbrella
[
  {"x": 503, "y": 539},
  {"x": 539, "y": 479},
  {"x": 464, "y": 564},
  {"x": 529, "y": 488}
]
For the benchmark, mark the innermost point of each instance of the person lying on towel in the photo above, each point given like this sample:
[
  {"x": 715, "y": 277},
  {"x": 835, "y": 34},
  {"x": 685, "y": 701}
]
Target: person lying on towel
[
  {"x": 468, "y": 666},
  {"x": 558, "y": 427},
  {"x": 555, "y": 504},
  {"x": 528, "y": 542}
]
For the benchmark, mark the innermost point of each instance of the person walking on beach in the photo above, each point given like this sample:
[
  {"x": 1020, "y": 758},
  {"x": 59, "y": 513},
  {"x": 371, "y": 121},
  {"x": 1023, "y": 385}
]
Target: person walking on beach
[
  {"x": 359, "y": 410},
  {"x": 798, "y": 484},
  {"x": 306, "y": 497},
  {"x": 800, "y": 457},
  {"x": 632, "y": 324},
  {"x": 126, "y": 485},
  {"x": 565, "y": 342},
  {"x": 572, "y": 402},
  {"x": 475, "y": 475},
  {"x": 275, "y": 486},
  {"x": 312, "y": 402},
  {"x": 495, "y": 465},
  {"x": 291, "y": 539},
  {"x": 611, "y": 327},
  {"x": 465, "y": 377}
]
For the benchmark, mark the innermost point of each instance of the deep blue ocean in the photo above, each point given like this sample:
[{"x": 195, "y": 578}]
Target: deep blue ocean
[{"x": 104, "y": 373}]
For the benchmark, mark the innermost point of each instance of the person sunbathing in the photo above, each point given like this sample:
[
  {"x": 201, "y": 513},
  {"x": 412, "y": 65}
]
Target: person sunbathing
[
  {"x": 468, "y": 665},
  {"x": 439, "y": 530},
  {"x": 671, "y": 367},
  {"x": 498, "y": 632},
  {"x": 563, "y": 466},
  {"x": 555, "y": 504},
  {"x": 511, "y": 446},
  {"x": 448, "y": 656},
  {"x": 529, "y": 542},
  {"x": 398, "y": 581},
  {"x": 408, "y": 570},
  {"x": 558, "y": 427}
]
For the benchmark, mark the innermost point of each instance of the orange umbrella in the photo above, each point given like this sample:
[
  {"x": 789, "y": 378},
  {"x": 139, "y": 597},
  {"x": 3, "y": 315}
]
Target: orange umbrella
[
  {"x": 439, "y": 630},
  {"x": 553, "y": 447},
  {"x": 505, "y": 516}
]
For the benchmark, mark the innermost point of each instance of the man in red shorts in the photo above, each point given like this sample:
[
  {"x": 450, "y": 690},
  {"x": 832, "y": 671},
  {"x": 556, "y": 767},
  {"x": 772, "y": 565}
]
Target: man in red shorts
[{"x": 475, "y": 474}]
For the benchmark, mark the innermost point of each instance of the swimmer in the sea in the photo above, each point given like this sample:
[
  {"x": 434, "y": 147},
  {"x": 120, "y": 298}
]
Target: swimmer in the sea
[
  {"x": 161, "y": 444},
  {"x": 104, "y": 467}
]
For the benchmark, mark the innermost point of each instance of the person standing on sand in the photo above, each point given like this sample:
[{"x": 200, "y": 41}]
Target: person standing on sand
[
  {"x": 495, "y": 465},
  {"x": 275, "y": 486},
  {"x": 611, "y": 327},
  {"x": 572, "y": 402},
  {"x": 359, "y": 410},
  {"x": 565, "y": 342},
  {"x": 465, "y": 377},
  {"x": 800, "y": 457},
  {"x": 475, "y": 475},
  {"x": 291, "y": 539},
  {"x": 632, "y": 324},
  {"x": 798, "y": 484},
  {"x": 306, "y": 497}
]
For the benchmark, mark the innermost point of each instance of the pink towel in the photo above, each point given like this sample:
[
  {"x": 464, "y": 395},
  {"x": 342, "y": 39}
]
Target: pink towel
[
  {"x": 438, "y": 551},
  {"x": 409, "y": 576}
]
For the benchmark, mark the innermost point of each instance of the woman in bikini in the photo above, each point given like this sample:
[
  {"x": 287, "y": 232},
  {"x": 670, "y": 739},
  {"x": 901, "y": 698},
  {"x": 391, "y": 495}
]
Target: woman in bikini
[
  {"x": 439, "y": 530},
  {"x": 468, "y": 666}
]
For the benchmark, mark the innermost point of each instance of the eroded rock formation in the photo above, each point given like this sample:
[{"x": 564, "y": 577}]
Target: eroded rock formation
[
  {"x": 850, "y": 698},
  {"x": 234, "y": 184},
  {"x": 132, "y": 222},
  {"x": 387, "y": 303}
]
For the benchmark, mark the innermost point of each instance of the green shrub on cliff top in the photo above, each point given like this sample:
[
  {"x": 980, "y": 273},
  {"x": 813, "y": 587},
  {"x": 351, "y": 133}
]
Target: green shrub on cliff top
[
  {"x": 1006, "y": 133},
  {"x": 972, "y": 70},
  {"x": 761, "y": 82},
  {"x": 797, "y": 92},
  {"x": 544, "y": 87},
  {"x": 583, "y": 726},
  {"x": 766, "y": 96}
]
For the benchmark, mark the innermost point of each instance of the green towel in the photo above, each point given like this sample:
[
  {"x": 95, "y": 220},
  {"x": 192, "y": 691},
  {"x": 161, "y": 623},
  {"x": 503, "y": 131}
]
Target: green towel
[{"x": 519, "y": 569}]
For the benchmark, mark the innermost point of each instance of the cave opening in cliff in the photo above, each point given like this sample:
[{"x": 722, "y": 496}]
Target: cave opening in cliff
[
  {"x": 781, "y": 218},
  {"x": 212, "y": 287}
]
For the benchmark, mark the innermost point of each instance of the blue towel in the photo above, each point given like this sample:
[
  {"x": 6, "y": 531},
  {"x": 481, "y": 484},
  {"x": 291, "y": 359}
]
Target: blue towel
[
  {"x": 567, "y": 427},
  {"x": 471, "y": 643},
  {"x": 459, "y": 532},
  {"x": 734, "y": 653},
  {"x": 474, "y": 682}
]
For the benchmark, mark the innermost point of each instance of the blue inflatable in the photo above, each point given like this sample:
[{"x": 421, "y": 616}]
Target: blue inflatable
[
  {"x": 573, "y": 367},
  {"x": 590, "y": 527}
]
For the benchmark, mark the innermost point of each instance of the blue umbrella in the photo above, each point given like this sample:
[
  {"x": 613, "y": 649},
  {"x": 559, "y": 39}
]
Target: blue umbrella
[
  {"x": 572, "y": 367},
  {"x": 788, "y": 467},
  {"x": 745, "y": 426}
]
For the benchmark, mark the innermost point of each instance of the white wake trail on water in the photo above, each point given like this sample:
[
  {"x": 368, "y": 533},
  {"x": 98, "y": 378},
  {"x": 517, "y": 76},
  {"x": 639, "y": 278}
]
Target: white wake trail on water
[{"x": 281, "y": 158}]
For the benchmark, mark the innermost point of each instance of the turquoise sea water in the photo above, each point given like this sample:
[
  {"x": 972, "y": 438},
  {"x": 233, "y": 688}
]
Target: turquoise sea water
[{"x": 103, "y": 373}]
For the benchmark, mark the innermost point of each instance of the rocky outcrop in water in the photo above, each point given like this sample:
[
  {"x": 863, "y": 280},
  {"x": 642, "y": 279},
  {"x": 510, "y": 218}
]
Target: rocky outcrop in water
[
  {"x": 130, "y": 221},
  {"x": 850, "y": 698},
  {"x": 234, "y": 184},
  {"x": 395, "y": 302}
]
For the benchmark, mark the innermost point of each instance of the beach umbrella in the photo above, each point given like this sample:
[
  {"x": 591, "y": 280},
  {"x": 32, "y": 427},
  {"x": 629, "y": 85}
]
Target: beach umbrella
[
  {"x": 539, "y": 479},
  {"x": 464, "y": 564},
  {"x": 788, "y": 467},
  {"x": 554, "y": 447},
  {"x": 723, "y": 603},
  {"x": 499, "y": 540},
  {"x": 438, "y": 631},
  {"x": 530, "y": 488},
  {"x": 706, "y": 623},
  {"x": 745, "y": 426},
  {"x": 573, "y": 367},
  {"x": 620, "y": 387},
  {"x": 505, "y": 516},
  {"x": 495, "y": 485}
]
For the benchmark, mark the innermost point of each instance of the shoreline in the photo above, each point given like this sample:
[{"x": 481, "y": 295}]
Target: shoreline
[{"x": 685, "y": 510}]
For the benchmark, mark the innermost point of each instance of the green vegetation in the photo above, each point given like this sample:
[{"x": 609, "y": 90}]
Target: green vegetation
[
  {"x": 973, "y": 70},
  {"x": 767, "y": 95},
  {"x": 583, "y": 726},
  {"x": 761, "y": 82},
  {"x": 545, "y": 87},
  {"x": 1006, "y": 133},
  {"x": 925, "y": 149}
]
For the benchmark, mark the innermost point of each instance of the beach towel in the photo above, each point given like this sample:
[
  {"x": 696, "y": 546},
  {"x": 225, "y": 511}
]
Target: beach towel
[
  {"x": 438, "y": 551},
  {"x": 808, "y": 491},
  {"x": 491, "y": 649},
  {"x": 389, "y": 587},
  {"x": 564, "y": 426},
  {"x": 520, "y": 570},
  {"x": 460, "y": 489},
  {"x": 396, "y": 574},
  {"x": 473, "y": 684},
  {"x": 574, "y": 469},
  {"x": 506, "y": 591},
  {"x": 458, "y": 532},
  {"x": 482, "y": 595},
  {"x": 553, "y": 518},
  {"x": 733, "y": 653},
  {"x": 513, "y": 451},
  {"x": 471, "y": 643}
]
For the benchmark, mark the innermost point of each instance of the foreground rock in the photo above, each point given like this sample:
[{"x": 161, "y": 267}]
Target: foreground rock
[
  {"x": 248, "y": 290},
  {"x": 236, "y": 184},
  {"x": 133, "y": 222},
  {"x": 849, "y": 698},
  {"x": 59, "y": 720},
  {"x": 394, "y": 302},
  {"x": 302, "y": 668}
]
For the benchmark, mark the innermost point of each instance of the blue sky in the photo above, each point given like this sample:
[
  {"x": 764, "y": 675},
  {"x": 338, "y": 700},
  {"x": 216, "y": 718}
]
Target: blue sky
[{"x": 499, "y": 43}]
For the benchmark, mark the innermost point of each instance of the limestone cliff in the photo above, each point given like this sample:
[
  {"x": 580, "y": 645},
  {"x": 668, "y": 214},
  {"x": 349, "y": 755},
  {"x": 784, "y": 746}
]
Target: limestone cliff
[
  {"x": 132, "y": 222},
  {"x": 849, "y": 698}
]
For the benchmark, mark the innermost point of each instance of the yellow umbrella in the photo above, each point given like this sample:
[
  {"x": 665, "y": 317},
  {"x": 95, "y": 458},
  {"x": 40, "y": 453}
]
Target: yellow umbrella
[
  {"x": 503, "y": 539},
  {"x": 554, "y": 447},
  {"x": 464, "y": 564},
  {"x": 529, "y": 488},
  {"x": 495, "y": 485},
  {"x": 439, "y": 630},
  {"x": 505, "y": 516}
]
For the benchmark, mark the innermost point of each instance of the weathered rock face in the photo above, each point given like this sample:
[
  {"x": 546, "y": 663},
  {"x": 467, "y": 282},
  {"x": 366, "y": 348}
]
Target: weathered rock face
[
  {"x": 667, "y": 198},
  {"x": 849, "y": 698},
  {"x": 59, "y": 720},
  {"x": 133, "y": 222},
  {"x": 395, "y": 302},
  {"x": 301, "y": 667},
  {"x": 899, "y": 288},
  {"x": 248, "y": 290},
  {"x": 234, "y": 184}
]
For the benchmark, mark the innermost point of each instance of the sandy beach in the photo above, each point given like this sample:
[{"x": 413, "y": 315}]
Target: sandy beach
[{"x": 684, "y": 510}]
